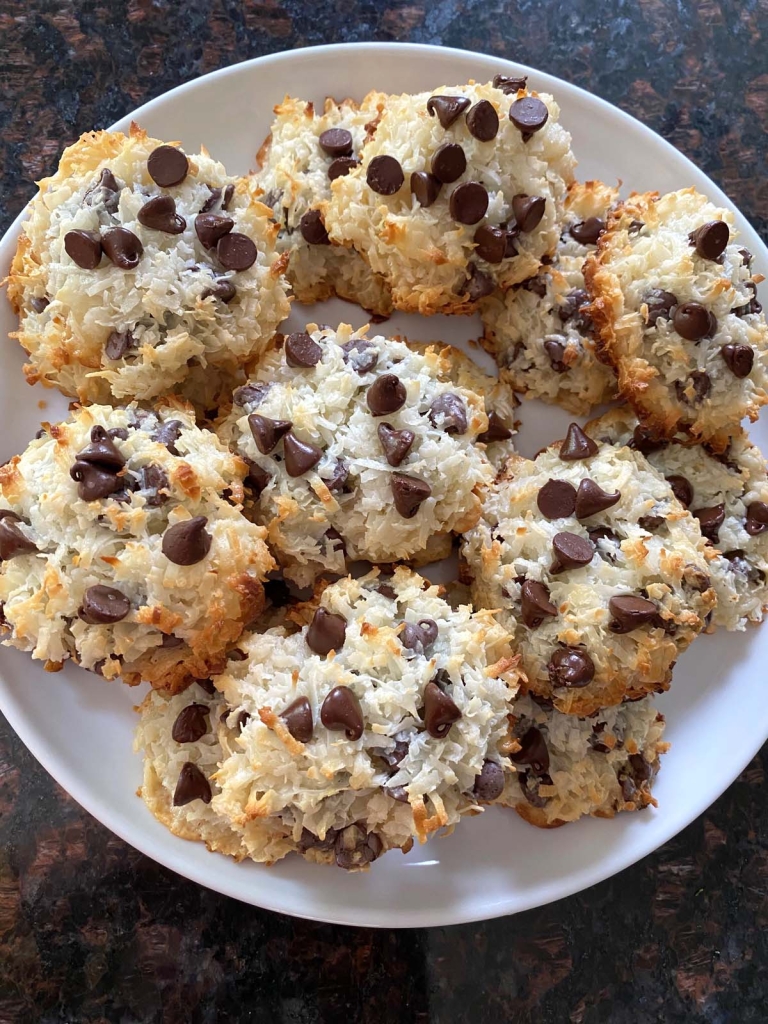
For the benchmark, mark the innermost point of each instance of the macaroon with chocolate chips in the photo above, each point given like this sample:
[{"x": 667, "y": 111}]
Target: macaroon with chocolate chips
[
  {"x": 539, "y": 330},
  {"x": 304, "y": 153},
  {"x": 142, "y": 270},
  {"x": 123, "y": 546},
  {"x": 675, "y": 306},
  {"x": 595, "y": 566},
  {"x": 364, "y": 448},
  {"x": 458, "y": 191},
  {"x": 728, "y": 494}
]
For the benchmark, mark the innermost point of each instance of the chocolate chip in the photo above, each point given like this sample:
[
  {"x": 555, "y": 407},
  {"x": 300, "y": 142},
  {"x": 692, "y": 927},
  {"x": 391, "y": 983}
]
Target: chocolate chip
[
  {"x": 757, "y": 518},
  {"x": 449, "y": 412},
  {"x": 556, "y": 499},
  {"x": 739, "y": 359},
  {"x": 491, "y": 243},
  {"x": 341, "y": 711},
  {"x": 354, "y": 847},
  {"x": 104, "y": 192},
  {"x": 333, "y": 540},
  {"x": 210, "y": 227},
  {"x": 555, "y": 345},
  {"x": 386, "y": 394},
  {"x": 571, "y": 308},
  {"x": 753, "y": 306},
  {"x": 468, "y": 203},
  {"x": 478, "y": 284},
  {"x": 302, "y": 350},
  {"x": 103, "y": 606},
  {"x": 207, "y": 685},
  {"x": 598, "y": 533},
  {"x": 591, "y": 499},
  {"x": 660, "y": 304},
  {"x": 418, "y": 636},
  {"x": 102, "y": 451},
  {"x": 426, "y": 187},
  {"x": 339, "y": 476},
  {"x": 644, "y": 442},
  {"x": 447, "y": 108},
  {"x": 300, "y": 456},
  {"x": 483, "y": 121},
  {"x": 83, "y": 248},
  {"x": 693, "y": 321},
  {"x": 440, "y": 712},
  {"x": 489, "y": 784},
  {"x": 118, "y": 343},
  {"x": 399, "y": 793},
  {"x": 528, "y": 115},
  {"x": 386, "y": 590},
  {"x": 587, "y": 232},
  {"x": 682, "y": 489},
  {"x": 215, "y": 196},
  {"x": 651, "y": 523},
  {"x": 710, "y": 520},
  {"x": 528, "y": 211},
  {"x": 267, "y": 432},
  {"x": 250, "y": 394},
  {"x": 298, "y": 719},
  {"x": 170, "y": 641},
  {"x": 361, "y": 355},
  {"x": 571, "y": 551},
  {"x": 154, "y": 478},
  {"x": 191, "y": 723},
  {"x": 326, "y": 632},
  {"x": 187, "y": 543},
  {"x": 629, "y": 612},
  {"x": 385, "y": 175},
  {"x": 39, "y": 303},
  {"x": 12, "y": 540},
  {"x": 509, "y": 83},
  {"x": 94, "y": 482},
  {"x": 700, "y": 383},
  {"x": 535, "y": 603},
  {"x": 577, "y": 445},
  {"x": 192, "y": 784},
  {"x": 533, "y": 751},
  {"x": 167, "y": 166},
  {"x": 309, "y": 841},
  {"x": 746, "y": 257},
  {"x": 449, "y": 162},
  {"x": 257, "y": 478},
  {"x": 530, "y": 785},
  {"x": 167, "y": 433},
  {"x": 236, "y": 251},
  {"x": 160, "y": 215},
  {"x": 571, "y": 667},
  {"x": 696, "y": 578},
  {"x": 395, "y": 443},
  {"x": 336, "y": 142},
  {"x": 409, "y": 493},
  {"x": 122, "y": 247},
  {"x": 221, "y": 289},
  {"x": 313, "y": 229},
  {"x": 341, "y": 166},
  {"x": 497, "y": 430},
  {"x": 710, "y": 239},
  {"x": 740, "y": 564}
]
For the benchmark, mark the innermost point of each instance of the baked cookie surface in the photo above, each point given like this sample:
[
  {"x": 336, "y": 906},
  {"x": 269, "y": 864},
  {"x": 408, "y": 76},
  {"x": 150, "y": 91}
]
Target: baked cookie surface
[
  {"x": 728, "y": 494},
  {"x": 539, "y": 330},
  {"x": 363, "y": 447},
  {"x": 142, "y": 271},
  {"x": 458, "y": 191},
  {"x": 305, "y": 151},
  {"x": 568, "y": 766},
  {"x": 676, "y": 313},
  {"x": 597, "y": 569},
  {"x": 121, "y": 549}
]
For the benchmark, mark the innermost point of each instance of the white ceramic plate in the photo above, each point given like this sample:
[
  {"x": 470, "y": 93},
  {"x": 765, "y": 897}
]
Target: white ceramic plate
[{"x": 81, "y": 728}]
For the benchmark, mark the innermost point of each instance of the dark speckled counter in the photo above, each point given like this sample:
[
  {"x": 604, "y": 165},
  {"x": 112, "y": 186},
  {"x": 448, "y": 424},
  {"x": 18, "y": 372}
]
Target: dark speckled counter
[{"x": 90, "y": 930}]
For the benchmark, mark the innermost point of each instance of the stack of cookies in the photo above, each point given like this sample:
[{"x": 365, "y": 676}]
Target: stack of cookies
[{"x": 237, "y": 517}]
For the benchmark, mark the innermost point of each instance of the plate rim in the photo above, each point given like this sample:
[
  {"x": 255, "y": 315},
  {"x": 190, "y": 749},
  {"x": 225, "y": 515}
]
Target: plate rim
[{"x": 139, "y": 837}]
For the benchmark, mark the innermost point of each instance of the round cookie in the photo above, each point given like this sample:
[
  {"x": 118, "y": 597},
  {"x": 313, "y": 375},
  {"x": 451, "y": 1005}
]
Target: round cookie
[
  {"x": 539, "y": 331},
  {"x": 596, "y": 567},
  {"x": 122, "y": 548},
  {"x": 141, "y": 271},
  {"x": 728, "y": 493},
  {"x": 361, "y": 447},
  {"x": 675, "y": 308},
  {"x": 383, "y": 720},
  {"x": 301, "y": 156},
  {"x": 458, "y": 191},
  {"x": 567, "y": 766}
]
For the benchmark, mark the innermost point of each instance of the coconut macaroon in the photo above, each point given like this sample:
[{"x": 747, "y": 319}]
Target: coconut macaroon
[
  {"x": 383, "y": 720},
  {"x": 361, "y": 447},
  {"x": 567, "y": 767},
  {"x": 677, "y": 316},
  {"x": 458, "y": 191},
  {"x": 728, "y": 494},
  {"x": 123, "y": 547},
  {"x": 142, "y": 270},
  {"x": 539, "y": 331},
  {"x": 303, "y": 154},
  {"x": 596, "y": 567}
]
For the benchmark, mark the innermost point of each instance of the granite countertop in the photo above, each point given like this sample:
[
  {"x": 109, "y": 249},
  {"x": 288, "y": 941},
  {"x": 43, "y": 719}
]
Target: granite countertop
[{"x": 90, "y": 930}]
